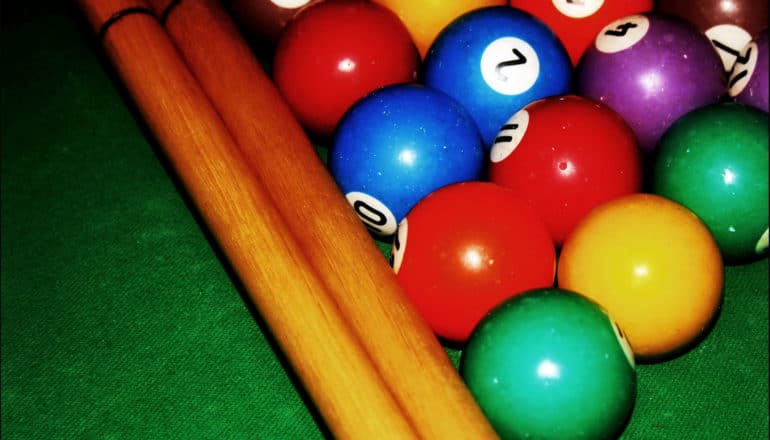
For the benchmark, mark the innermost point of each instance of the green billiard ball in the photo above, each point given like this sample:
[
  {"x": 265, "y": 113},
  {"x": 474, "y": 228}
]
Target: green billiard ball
[
  {"x": 551, "y": 364},
  {"x": 714, "y": 161}
]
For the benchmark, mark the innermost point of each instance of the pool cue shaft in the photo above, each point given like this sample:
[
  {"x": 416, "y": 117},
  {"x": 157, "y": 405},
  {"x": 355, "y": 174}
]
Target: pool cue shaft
[
  {"x": 325, "y": 353},
  {"x": 401, "y": 344}
]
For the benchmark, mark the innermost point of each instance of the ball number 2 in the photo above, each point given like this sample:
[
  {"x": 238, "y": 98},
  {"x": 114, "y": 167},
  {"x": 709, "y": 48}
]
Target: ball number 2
[
  {"x": 509, "y": 66},
  {"x": 520, "y": 59}
]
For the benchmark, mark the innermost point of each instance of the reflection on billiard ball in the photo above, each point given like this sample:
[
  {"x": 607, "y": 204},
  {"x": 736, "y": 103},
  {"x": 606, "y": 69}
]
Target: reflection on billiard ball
[
  {"x": 263, "y": 20},
  {"x": 398, "y": 144},
  {"x": 551, "y": 364},
  {"x": 334, "y": 53},
  {"x": 749, "y": 77},
  {"x": 729, "y": 24},
  {"x": 651, "y": 69},
  {"x": 576, "y": 23},
  {"x": 549, "y": 154},
  {"x": 653, "y": 265},
  {"x": 714, "y": 161},
  {"x": 467, "y": 247},
  {"x": 496, "y": 60},
  {"x": 426, "y": 18}
]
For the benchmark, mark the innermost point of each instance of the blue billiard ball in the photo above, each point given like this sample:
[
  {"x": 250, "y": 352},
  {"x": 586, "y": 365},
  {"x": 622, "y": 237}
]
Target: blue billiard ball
[
  {"x": 398, "y": 144},
  {"x": 496, "y": 60}
]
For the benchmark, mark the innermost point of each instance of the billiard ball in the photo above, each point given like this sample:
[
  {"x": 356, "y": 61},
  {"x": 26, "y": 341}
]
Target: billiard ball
[
  {"x": 398, "y": 144},
  {"x": 576, "y": 23},
  {"x": 263, "y": 20},
  {"x": 426, "y": 18},
  {"x": 714, "y": 161},
  {"x": 551, "y": 364},
  {"x": 335, "y": 52},
  {"x": 651, "y": 69},
  {"x": 494, "y": 61},
  {"x": 729, "y": 24},
  {"x": 550, "y": 155},
  {"x": 748, "y": 77},
  {"x": 653, "y": 265},
  {"x": 467, "y": 247}
]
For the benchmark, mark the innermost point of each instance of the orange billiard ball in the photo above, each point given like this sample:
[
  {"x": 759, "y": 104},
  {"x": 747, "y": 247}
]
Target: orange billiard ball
[{"x": 653, "y": 265}]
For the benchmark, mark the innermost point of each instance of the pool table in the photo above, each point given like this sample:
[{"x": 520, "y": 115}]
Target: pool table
[{"x": 121, "y": 319}]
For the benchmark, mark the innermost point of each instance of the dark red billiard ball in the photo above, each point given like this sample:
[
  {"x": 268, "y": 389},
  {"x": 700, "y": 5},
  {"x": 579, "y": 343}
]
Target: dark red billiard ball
[
  {"x": 467, "y": 247},
  {"x": 729, "y": 24},
  {"x": 335, "y": 52},
  {"x": 576, "y": 23},
  {"x": 749, "y": 75},
  {"x": 262, "y": 20},
  {"x": 565, "y": 155}
]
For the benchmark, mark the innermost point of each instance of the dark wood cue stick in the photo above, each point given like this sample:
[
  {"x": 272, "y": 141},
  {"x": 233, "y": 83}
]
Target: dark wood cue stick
[
  {"x": 327, "y": 356},
  {"x": 403, "y": 347}
]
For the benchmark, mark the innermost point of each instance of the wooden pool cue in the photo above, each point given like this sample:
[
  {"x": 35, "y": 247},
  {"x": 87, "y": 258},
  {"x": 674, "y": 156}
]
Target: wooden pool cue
[
  {"x": 326, "y": 355},
  {"x": 402, "y": 345}
]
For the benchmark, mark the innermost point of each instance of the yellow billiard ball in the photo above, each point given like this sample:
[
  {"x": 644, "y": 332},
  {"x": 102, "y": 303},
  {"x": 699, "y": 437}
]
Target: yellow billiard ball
[
  {"x": 425, "y": 19},
  {"x": 653, "y": 265}
]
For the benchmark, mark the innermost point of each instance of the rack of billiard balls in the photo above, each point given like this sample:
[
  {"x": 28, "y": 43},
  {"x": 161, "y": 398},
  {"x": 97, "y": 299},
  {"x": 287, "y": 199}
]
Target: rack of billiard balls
[{"x": 575, "y": 174}]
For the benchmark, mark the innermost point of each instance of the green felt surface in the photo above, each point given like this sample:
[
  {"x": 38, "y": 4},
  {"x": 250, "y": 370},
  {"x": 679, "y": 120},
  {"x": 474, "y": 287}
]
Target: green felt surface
[{"x": 120, "y": 319}]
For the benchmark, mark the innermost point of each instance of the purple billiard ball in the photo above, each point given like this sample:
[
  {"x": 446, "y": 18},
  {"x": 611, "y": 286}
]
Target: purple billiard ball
[
  {"x": 748, "y": 82},
  {"x": 651, "y": 69}
]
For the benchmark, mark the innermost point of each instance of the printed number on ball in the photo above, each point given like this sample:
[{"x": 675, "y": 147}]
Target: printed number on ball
[
  {"x": 510, "y": 66},
  {"x": 623, "y": 33},
  {"x": 375, "y": 215}
]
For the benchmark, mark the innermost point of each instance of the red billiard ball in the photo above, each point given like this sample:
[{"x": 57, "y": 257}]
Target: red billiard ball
[
  {"x": 335, "y": 52},
  {"x": 263, "y": 20},
  {"x": 565, "y": 155},
  {"x": 467, "y": 247},
  {"x": 576, "y": 23}
]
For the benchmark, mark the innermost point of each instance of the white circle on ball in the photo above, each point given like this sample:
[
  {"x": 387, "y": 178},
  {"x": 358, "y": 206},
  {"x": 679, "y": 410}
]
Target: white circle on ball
[
  {"x": 729, "y": 41},
  {"x": 510, "y": 66},
  {"x": 398, "y": 248},
  {"x": 743, "y": 69},
  {"x": 509, "y": 137},
  {"x": 578, "y": 9},
  {"x": 375, "y": 215},
  {"x": 624, "y": 344},
  {"x": 622, "y": 33},
  {"x": 290, "y": 4},
  {"x": 762, "y": 243}
]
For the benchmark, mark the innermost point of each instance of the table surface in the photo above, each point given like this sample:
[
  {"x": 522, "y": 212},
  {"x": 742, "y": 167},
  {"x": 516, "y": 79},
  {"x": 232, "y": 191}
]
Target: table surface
[{"x": 121, "y": 319}]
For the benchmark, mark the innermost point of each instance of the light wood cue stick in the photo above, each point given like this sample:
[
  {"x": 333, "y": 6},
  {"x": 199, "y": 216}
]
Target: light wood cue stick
[
  {"x": 403, "y": 347},
  {"x": 325, "y": 353}
]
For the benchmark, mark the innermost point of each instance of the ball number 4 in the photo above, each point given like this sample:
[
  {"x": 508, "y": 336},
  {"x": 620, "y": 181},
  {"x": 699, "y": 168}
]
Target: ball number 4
[{"x": 622, "y": 34}]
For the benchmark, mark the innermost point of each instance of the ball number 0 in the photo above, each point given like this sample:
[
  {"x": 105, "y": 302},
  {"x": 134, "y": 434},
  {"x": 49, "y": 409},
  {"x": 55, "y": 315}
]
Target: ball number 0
[{"x": 373, "y": 213}]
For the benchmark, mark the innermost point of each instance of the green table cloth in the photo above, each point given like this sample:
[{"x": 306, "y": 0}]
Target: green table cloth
[{"x": 121, "y": 319}]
